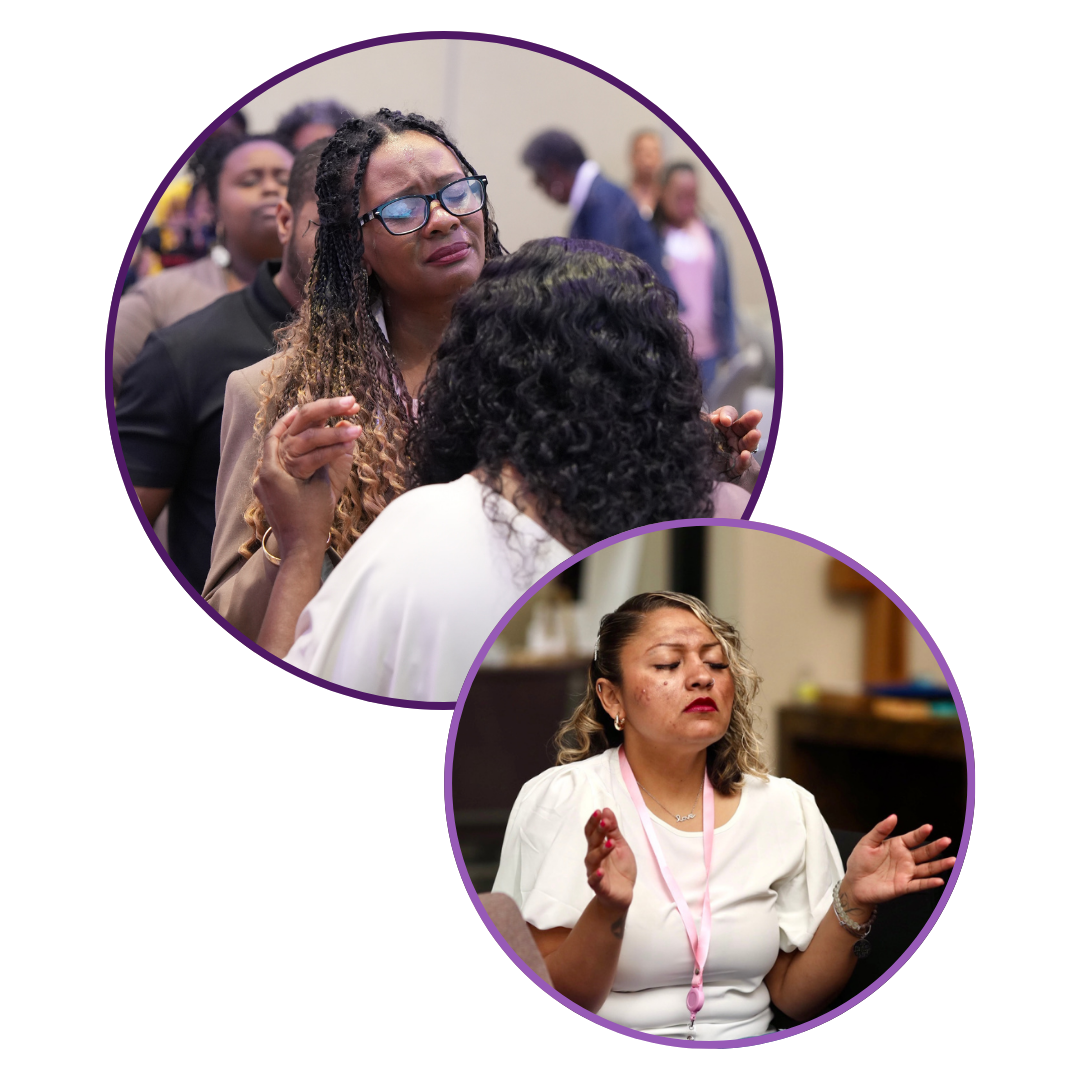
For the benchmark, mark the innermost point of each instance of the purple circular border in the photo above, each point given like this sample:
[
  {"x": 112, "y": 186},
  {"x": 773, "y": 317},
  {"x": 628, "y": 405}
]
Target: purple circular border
[
  {"x": 312, "y": 62},
  {"x": 448, "y": 787}
]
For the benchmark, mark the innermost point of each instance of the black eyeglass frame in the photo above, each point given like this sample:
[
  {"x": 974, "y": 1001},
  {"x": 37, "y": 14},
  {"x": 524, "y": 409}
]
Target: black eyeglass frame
[{"x": 428, "y": 200}]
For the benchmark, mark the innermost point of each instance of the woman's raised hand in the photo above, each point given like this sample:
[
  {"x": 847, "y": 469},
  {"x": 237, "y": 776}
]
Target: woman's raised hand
[
  {"x": 740, "y": 433},
  {"x": 882, "y": 867},
  {"x": 308, "y": 445},
  {"x": 609, "y": 862},
  {"x": 304, "y": 468}
]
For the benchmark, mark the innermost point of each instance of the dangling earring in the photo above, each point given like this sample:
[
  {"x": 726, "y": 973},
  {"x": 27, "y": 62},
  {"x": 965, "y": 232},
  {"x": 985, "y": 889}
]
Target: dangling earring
[
  {"x": 620, "y": 723},
  {"x": 219, "y": 252}
]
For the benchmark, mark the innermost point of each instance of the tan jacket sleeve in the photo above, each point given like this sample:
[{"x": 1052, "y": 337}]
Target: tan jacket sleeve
[
  {"x": 238, "y": 588},
  {"x": 135, "y": 322},
  {"x": 159, "y": 301}
]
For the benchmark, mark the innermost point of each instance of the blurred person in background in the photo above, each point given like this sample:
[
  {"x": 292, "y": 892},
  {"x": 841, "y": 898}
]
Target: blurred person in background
[
  {"x": 602, "y": 210},
  {"x": 181, "y": 227},
  {"x": 310, "y": 121},
  {"x": 235, "y": 125},
  {"x": 168, "y": 413},
  {"x": 696, "y": 258},
  {"x": 646, "y": 161},
  {"x": 246, "y": 178}
]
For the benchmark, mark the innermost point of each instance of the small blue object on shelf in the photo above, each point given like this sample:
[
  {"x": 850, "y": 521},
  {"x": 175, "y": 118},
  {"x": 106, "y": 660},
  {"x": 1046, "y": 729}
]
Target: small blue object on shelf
[{"x": 916, "y": 690}]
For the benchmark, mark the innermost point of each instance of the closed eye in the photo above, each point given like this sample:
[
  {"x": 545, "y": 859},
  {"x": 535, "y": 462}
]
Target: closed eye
[{"x": 672, "y": 667}]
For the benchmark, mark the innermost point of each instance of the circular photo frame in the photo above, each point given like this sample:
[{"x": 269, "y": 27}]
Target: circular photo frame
[
  {"x": 447, "y": 75},
  {"x": 861, "y": 708}
]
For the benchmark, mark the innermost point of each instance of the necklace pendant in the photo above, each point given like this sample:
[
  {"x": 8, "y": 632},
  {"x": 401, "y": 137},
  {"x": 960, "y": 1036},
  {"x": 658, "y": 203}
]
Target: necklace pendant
[{"x": 683, "y": 817}]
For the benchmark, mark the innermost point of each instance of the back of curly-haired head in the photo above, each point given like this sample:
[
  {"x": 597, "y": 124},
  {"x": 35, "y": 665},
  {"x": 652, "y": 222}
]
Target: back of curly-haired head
[
  {"x": 591, "y": 730},
  {"x": 335, "y": 347},
  {"x": 567, "y": 361}
]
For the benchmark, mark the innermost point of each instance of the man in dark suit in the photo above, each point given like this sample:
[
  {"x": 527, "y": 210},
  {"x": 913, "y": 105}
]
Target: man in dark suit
[{"x": 602, "y": 210}]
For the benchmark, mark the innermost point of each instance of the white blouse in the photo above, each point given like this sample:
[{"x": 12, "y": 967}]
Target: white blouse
[
  {"x": 407, "y": 610},
  {"x": 774, "y": 866}
]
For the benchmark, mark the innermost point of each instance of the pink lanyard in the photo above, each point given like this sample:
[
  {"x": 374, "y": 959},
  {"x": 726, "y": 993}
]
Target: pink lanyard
[{"x": 699, "y": 946}]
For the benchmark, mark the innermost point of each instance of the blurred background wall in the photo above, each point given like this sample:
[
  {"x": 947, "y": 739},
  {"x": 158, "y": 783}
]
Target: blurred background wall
[{"x": 493, "y": 99}]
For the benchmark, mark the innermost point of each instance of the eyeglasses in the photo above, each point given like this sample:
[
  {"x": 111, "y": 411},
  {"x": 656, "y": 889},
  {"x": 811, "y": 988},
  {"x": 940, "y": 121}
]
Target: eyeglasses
[{"x": 412, "y": 212}]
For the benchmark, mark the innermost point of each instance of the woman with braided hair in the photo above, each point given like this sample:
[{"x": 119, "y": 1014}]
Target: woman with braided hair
[
  {"x": 378, "y": 301},
  {"x": 382, "y": 287}
]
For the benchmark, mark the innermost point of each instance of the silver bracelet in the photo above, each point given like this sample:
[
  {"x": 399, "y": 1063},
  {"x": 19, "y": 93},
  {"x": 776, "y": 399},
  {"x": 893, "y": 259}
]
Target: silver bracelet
[{"x": 860, "y": 930}]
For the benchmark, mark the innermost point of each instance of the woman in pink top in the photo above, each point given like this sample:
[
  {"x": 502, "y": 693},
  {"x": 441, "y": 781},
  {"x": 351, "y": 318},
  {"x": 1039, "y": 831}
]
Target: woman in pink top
[{"x": 695, "y": 257}]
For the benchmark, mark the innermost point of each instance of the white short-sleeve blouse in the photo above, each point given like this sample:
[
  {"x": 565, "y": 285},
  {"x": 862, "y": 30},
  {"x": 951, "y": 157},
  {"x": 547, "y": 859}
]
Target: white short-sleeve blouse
[
  {"x": 411, "y": 603},
  {"x": 774, "y": 866}
]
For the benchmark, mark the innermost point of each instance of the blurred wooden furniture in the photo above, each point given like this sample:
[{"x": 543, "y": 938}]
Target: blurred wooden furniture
[
  {"x": 504, "y": 739},
  {"x": 861, "y": 767},
  {"x": 885, "y": 657}
]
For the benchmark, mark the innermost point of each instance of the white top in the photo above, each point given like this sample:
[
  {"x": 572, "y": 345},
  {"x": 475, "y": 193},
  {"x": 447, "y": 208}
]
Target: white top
[
  {"x": 407, "y": 610},
  {"x": 774, "y": 866},
  {"x": 587, "y": 172}
]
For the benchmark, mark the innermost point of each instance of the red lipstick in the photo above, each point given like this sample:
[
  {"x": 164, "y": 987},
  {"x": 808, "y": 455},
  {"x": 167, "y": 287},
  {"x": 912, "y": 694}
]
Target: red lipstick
[{"x": 701, "y": 704}]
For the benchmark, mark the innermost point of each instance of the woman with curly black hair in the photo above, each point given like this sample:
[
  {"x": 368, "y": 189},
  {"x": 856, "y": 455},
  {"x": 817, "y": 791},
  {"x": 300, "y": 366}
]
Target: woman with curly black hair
[
  {"x": 563, "y": 407},
  {"x": 568, "y": 363}
]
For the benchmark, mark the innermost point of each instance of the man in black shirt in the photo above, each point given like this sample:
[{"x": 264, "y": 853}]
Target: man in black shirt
[{"x": 168, "y": 413}]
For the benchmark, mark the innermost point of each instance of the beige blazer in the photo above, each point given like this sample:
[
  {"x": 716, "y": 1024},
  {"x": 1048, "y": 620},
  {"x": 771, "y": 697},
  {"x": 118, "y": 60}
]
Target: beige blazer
[{"x": 238, "y": 588}]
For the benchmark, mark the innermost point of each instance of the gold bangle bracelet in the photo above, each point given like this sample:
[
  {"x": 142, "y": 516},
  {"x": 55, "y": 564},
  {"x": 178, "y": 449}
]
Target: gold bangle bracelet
[{"x": 275, "y": 560}]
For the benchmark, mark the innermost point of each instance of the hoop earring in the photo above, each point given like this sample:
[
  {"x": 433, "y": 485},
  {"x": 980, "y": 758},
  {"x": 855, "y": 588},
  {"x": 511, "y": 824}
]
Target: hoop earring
[{"x": 620, "y": 723}]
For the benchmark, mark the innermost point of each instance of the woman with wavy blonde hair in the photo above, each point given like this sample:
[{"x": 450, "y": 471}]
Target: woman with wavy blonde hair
[
  {"x": 590, "y": 730},
  {"x": 706, "y": 893}
]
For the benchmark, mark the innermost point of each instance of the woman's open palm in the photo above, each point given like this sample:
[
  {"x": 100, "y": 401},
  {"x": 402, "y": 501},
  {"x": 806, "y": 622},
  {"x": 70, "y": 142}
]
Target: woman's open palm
[
  {"x": 882, "y": 867},
  {"x": 609, "y": 862}
]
